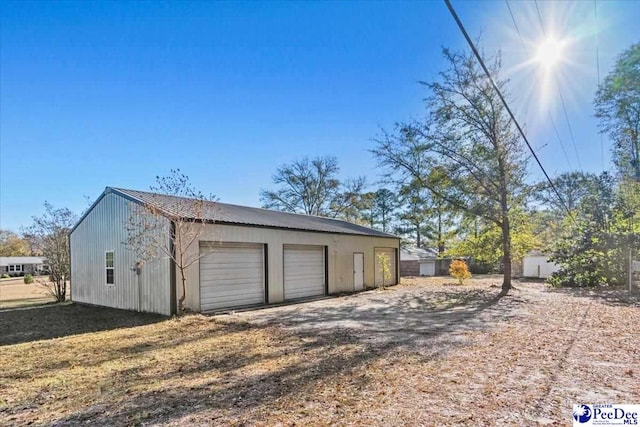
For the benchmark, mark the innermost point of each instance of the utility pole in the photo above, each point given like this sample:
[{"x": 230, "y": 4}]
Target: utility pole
[{"x": 630, "y": 269}]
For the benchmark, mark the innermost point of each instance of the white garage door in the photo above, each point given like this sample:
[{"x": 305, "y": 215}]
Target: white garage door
[
  {"x": 391, "y": 256},
  {"x": 428, "y": 268},
  {"x": 231, "y": 275},
  {"x": 303, "y": 271}
]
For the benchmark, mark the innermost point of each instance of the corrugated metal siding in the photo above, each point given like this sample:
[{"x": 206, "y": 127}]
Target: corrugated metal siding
[
  {"x": 339, "y": 257},
  {"x": 102, "y": 230},
  {"x": 231, "y": 275},
  {"x": 303, "y": 271}
]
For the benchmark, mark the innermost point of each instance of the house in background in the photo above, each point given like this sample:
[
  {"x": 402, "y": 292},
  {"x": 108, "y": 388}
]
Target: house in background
[
  {"x": 422, "y": 262},
  {"x": 20, "y": 265},
  {"x": 250, "y": 256}
]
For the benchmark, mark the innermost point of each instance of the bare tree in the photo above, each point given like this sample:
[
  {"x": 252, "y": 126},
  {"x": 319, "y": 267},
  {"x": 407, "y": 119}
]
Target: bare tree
[
  {"x": 50, "y": 233},
  {"x": 311, "y": 186},
  {"x": 170, "y": 224}
]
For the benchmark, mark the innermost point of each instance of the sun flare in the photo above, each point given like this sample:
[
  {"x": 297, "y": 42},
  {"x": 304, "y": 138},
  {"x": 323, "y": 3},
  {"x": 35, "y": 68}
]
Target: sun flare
[{"x": 549, "y": 53}]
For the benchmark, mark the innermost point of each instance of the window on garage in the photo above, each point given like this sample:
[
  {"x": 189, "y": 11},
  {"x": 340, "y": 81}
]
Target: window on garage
[{"x": 109, "y": 267}]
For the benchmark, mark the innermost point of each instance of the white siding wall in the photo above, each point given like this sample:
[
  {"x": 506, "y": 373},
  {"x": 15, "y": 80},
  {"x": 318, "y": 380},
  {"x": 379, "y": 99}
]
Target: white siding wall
[
  {"x": 538, "y": 266},
  {"x": 340, "y": 257},
  {"x": 103, "y": 229}
]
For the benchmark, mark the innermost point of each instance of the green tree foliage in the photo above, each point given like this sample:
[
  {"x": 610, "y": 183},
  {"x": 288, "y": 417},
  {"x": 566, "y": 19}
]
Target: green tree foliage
[
  {"x": 617, "y": 104},
  {"x": 595, "y": 252},
  {"x": 549, "y": 218},
  {"x": 13, "y": 245},
  {"x": 385, "y": 203},
  {"x": 545, "y": 227},
  {"x": 572, "y": 186},
  {"x": 367, "y": 213},
  {"x": 483, "y": 240},
  {"x": 50, "y": 232},
  {"x": 424, "y": 216},
  {"x": 312, "y": 187},
  {"x": 414, "y": 214},
  {"x": 469, "y": 137}
]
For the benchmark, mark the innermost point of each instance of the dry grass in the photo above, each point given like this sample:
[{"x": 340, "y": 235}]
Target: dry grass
[
  {"x": 14, "y": 293},
  {"x": 423, "y": 353}
]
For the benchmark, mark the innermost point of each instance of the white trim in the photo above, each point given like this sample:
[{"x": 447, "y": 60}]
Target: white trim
[{"x": 113, "y": 268}]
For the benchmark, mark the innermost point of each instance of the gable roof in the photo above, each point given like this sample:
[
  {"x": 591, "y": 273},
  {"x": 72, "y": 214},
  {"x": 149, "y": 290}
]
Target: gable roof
[
  {"x": 409, "y": 253},
  {"x": 223, "y": 213}
]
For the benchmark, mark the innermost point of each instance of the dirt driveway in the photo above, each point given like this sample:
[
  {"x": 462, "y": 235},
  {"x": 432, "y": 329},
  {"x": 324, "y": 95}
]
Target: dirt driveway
[{"x": 405, "y": 316}]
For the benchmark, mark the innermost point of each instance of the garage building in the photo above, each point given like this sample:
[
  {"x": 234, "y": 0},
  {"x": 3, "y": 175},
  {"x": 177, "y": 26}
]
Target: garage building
[{"x": 246, "y": 257}]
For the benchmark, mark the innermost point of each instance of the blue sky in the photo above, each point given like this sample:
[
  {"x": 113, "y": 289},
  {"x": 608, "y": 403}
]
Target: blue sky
[{"x": 113, "y": 93}]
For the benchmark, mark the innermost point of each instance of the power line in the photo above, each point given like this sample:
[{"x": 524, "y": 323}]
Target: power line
[
  {"x": 506, "y": 106},
  {"x": 564, "y": 106},
  {"x": 553, "y": 122},
  {"x": 595, "y": 16},
  {"x": 566, "y": 117}
]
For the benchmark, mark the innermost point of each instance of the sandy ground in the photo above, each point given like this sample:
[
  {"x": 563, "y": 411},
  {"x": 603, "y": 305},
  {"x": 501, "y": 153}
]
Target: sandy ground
[{"x": 425, "y": 353}]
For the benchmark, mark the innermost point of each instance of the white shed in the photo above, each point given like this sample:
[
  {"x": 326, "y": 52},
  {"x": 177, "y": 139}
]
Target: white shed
[
  {"x": 538, "y": 266},
  {"x": 250, "y": 256},
  {"x": 418, "y": 261}
]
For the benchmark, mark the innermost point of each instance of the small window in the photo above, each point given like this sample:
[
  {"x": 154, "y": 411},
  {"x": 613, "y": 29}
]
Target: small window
[
  {"x": 109, "y": 268},
  {"x": 16, "y": 268}
]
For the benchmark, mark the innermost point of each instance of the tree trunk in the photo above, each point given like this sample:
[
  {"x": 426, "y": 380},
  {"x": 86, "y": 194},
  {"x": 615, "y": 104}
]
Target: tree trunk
[
  {"x": 418, "y": 243},
  {"x": 184, "y": 290},
  {"x": 506, "y": 258},
  {"x": 441, "y": 245}
]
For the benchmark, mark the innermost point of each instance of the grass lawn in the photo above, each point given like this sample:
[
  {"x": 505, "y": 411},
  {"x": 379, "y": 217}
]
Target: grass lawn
[
  {"x": 422, "y": 353},
  {"x": 14, "y": 293}
]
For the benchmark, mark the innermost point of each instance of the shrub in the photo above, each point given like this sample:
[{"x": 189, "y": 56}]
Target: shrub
[
  {"x": 5, "y": 276},
  {"x": 459, "y": 270},
  {"x": 28, "y": 279},
  {"x": 384, "y": 268}
]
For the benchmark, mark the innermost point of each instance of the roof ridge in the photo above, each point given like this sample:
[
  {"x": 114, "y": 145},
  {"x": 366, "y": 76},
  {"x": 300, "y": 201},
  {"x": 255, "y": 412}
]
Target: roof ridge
[
  {"x": 331, "y": 224},
  {"x": 244, "y": 206}
]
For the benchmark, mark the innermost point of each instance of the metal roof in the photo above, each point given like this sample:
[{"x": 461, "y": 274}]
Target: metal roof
[
  {"x": 224, "y": 213},
  {"x": 412, "y": 254},
  {"x": 13, "y": 260}
]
